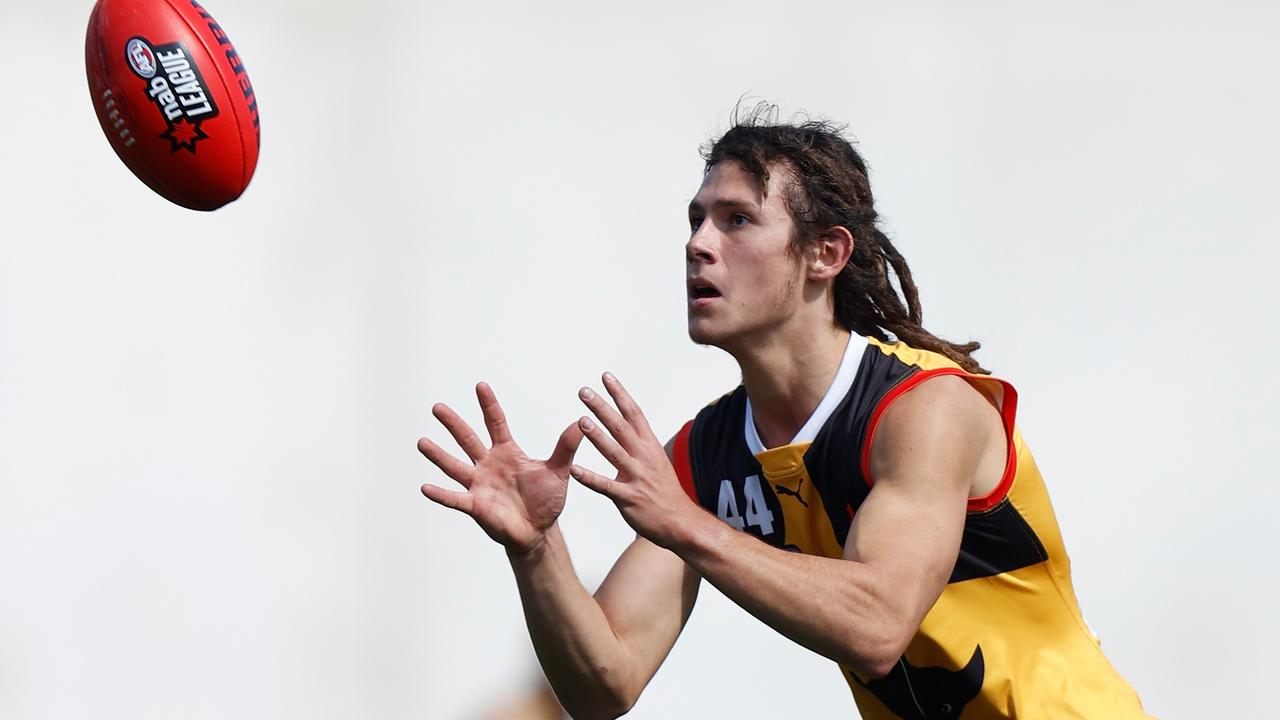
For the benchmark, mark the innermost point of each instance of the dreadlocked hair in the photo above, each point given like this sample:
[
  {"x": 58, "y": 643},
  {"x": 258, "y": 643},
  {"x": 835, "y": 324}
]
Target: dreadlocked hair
[{"x": 828, "y": 187}]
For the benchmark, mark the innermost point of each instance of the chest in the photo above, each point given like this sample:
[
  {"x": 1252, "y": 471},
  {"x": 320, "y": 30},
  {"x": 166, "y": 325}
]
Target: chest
[{"x": 794, "y": 497}]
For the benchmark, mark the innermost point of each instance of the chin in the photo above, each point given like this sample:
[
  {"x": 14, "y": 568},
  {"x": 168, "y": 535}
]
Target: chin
[{"x": 702, "y": 332}]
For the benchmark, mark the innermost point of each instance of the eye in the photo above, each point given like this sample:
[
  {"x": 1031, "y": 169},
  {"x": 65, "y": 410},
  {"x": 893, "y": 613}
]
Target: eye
[
  {"x": 740, "y": 220},
  {"x": 694, "y": 223}
]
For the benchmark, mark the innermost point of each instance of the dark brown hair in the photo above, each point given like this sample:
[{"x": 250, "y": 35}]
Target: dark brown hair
[{"x": 828, "y": 187}]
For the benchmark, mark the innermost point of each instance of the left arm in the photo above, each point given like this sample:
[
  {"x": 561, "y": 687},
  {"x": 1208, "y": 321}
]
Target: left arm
[{"x": 861, "y": 610}]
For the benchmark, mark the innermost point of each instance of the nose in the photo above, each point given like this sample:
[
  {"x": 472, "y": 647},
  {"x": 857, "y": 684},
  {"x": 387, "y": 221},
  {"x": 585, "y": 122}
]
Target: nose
[{"x": 701, "y": 245}]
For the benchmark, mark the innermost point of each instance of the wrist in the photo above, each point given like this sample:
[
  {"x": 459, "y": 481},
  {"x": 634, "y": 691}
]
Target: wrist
[
  {"x": 534, "y": 553},
  {"x": 692, "y": 531},
  {"x": 705, "y": 542}
]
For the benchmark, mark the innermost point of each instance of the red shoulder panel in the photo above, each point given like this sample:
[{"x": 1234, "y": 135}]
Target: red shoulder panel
[
  {"x": 1008, "y": 413},
  {"x": 680, "y": 459}
]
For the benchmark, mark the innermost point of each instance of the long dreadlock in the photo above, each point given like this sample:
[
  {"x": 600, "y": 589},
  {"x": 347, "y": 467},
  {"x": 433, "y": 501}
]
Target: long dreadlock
[{"x": 829, "y": 187}]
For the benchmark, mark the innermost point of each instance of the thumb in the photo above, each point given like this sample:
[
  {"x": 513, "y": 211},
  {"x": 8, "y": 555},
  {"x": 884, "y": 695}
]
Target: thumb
[{"x": 566, "y": 448}]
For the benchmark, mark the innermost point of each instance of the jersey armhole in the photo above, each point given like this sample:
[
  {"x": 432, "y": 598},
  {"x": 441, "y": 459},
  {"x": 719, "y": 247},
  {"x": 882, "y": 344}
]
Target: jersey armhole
[
  {"x": 1001, "y": 392},
  {"x": 680, "y": 460}
]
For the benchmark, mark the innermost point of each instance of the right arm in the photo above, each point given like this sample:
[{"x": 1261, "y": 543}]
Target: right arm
[{"x": 598, "y": 652}]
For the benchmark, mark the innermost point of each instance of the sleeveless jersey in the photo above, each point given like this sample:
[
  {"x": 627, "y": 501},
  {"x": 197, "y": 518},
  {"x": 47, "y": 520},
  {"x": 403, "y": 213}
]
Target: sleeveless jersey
[{"x": 1006, "y": 637}]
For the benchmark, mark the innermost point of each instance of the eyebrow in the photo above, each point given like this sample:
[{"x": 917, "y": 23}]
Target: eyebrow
[{"x": 723, "y": 203}]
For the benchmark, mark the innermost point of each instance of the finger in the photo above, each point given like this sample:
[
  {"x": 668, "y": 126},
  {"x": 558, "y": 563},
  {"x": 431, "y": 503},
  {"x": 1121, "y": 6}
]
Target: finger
[
  {"x": 459, "y": 501},
  {"x": 460, "y": 430},
  {"x": 611, "y": 450},
  {"x": 494, "y": 418},
  {"x": 566, "y": 447},
  {"x": 610, "y": 418},
  {"x": 450, "y": 465},
  {"x": 626, "y": 405},
  {"x": 597, "y": 482}
]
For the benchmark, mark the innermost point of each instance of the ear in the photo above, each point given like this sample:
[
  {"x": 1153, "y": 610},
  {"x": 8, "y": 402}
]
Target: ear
[{"x": 829, "y": 253}]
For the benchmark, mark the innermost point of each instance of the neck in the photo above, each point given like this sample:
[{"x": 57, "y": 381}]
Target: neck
[{"x": 786, "y": 377}]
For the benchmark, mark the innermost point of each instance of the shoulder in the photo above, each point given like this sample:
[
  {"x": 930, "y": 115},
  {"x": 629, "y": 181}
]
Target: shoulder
[
  {"x": 940, "y": 397},
  {"x": 715, "y": 422},
  {"x": 942, "y": 426},
  {"x": 718, "y": 423},
  {"x": 678, "y": 455},
  {"x": 681, "y": 437}
]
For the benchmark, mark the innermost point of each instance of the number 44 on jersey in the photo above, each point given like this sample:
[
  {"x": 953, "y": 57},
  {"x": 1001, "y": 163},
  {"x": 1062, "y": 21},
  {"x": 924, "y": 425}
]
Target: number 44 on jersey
[{"x": 757, "y": 512}]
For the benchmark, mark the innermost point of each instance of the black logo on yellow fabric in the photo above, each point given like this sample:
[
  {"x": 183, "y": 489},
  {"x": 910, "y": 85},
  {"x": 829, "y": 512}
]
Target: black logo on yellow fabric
[
  {"x": 928, "y": 693},
  {"x": 784, "y": 490}
]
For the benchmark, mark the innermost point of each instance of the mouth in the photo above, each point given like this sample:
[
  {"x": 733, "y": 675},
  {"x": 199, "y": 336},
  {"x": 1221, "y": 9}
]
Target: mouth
[{"x": 701, "y": 293}]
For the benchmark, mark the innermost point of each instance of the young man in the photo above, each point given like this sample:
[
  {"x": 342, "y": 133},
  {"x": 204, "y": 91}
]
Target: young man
[{"x": 868, "y": 498}]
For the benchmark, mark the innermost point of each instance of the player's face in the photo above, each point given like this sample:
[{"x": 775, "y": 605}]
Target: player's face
[{"x": 743, "y": 280}]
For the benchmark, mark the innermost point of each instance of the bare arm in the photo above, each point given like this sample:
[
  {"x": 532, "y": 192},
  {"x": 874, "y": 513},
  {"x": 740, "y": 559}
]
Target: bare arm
[
  {"x": 861, "y": 610},
  {"x": 598, "y": 652}
]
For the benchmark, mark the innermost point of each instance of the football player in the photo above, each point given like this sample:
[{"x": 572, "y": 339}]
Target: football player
[{"x": 865, "y": 490}]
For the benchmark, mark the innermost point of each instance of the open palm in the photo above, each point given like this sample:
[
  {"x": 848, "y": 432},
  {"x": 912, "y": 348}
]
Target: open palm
[{"x": 511, "y": 496}]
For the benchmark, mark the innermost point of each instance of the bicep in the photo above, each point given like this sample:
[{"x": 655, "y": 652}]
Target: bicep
[
  {"x": 924, "y": 461},
  {"x": 647, "y": 597},
  {"x": 910, "y": 539}
]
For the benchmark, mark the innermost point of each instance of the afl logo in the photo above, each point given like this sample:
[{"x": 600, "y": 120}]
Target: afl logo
[{"x": 141, "y": 58}]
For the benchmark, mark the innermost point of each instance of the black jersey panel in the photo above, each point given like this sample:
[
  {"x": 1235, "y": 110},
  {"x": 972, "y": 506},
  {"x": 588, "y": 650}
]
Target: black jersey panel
[
  {"x": 997, "y": 541},
  {"x": 833, "y": 458},
  {"x": 727, "y": 476}
]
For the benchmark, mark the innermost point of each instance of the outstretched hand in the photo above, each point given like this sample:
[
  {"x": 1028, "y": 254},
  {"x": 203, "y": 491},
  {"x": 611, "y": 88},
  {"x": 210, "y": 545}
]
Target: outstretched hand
[
  {"x": 646, "y": 490},
  {"x": 512, "y": 497}
]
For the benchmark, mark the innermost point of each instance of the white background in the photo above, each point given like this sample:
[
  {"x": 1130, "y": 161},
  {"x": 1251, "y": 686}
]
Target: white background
[{"x": 209, "y": 499}]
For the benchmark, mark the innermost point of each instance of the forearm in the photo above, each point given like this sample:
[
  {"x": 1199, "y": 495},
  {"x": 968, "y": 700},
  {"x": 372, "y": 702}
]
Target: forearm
[
  {"x": 838, "y": 608},
  {"x": 583, "y": 659}
]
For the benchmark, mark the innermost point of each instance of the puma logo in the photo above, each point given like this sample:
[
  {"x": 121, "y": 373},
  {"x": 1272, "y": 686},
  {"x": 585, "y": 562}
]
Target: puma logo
[
  {"x": 928, "y": 693},
  {"x": 784, "y": 490}
]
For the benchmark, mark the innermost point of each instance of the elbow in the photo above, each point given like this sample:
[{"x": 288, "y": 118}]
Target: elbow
[
  {"x": 878, "y": 667},
  {"x": 605, "y": 702},
  {"x": 608, "y": 710},
  {"x": 876, "y": 631},
  {"x": 874, "y": 655}
]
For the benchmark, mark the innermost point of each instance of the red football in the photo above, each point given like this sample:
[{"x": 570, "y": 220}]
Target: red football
[{"x": 173, "y": 98}]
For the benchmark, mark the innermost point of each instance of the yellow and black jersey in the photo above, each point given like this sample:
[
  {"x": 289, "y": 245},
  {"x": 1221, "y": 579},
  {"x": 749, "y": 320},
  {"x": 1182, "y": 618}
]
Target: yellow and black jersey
[{"x": 1006, "y": 638}]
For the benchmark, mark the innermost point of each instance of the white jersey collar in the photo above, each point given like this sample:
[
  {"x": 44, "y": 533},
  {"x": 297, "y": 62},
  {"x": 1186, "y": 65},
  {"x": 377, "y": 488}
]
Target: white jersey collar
[{"x": 839, "y": 388}]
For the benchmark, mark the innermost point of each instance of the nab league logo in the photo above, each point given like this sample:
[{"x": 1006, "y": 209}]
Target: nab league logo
[{"x": 177, "y": 89}]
